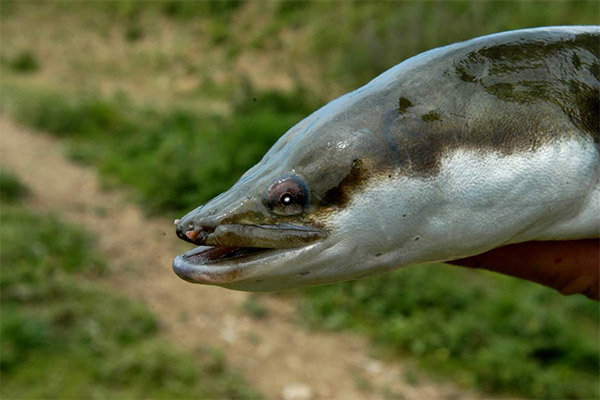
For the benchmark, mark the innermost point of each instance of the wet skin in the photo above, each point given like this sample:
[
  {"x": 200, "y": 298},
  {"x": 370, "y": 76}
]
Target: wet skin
[{"x": 295, "y": 218}]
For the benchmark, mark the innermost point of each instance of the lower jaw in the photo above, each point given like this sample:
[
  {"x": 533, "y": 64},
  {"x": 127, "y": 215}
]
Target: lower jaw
[
  {"x": 217, "y": 265},
  {"x": 230, "y": 266}
]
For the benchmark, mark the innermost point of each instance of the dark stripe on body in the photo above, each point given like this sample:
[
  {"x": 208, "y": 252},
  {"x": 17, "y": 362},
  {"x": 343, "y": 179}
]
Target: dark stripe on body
[{"x": 505, "y": 93}]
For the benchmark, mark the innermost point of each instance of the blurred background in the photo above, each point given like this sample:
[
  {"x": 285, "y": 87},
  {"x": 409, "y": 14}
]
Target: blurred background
[{"x": 118, "y": 116}]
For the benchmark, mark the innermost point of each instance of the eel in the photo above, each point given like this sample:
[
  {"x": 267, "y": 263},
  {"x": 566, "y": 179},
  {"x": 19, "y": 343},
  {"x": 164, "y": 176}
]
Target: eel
[{"x": 452, "y": 153}]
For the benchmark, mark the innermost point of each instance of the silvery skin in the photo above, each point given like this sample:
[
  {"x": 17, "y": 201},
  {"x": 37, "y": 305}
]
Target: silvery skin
[{"x": 449, "y": 154}]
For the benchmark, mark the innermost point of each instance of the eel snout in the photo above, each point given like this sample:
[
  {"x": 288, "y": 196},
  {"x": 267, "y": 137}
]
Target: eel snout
[
  {"x": 193, "y": 234},
  {"x": 231, "y": 252}
]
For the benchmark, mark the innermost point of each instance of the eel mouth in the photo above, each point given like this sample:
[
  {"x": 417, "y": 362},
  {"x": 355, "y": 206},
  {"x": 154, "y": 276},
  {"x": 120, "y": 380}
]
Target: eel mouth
[
  {"x": 206, "y": 255},
  {"x": 234, "y": 252}
]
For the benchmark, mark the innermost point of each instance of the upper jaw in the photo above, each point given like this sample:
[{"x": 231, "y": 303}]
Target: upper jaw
[{"x": 277, "y": 236}]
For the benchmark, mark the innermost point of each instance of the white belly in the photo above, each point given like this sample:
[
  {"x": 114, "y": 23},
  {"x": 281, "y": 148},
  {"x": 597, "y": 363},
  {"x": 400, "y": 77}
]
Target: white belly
[{"x": 478, "y": 202}]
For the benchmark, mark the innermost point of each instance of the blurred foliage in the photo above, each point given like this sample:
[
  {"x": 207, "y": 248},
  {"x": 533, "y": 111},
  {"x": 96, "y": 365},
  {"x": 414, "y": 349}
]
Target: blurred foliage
[
  {"x": 255, "y": 308},
  {"x": 367, "y": 38},
  {"x": 493, "y": 332},
  {"x": 496, "y": 333},
  {"x": 370, "y": 37},
  {"x": 63, "y": 336},
  {"x": 131, "y": 9},
  {"x": 177, "y": 9},
  {"x": 24, "y": 62},
  {"x": 205, "y": 154},
  {"x": 11, "y": 189}
]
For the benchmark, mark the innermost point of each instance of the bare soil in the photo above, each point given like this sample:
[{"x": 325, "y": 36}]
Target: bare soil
[{"x": 277, "y": 355}]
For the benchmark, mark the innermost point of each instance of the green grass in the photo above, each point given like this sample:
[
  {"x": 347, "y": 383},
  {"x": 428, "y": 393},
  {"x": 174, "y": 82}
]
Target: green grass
[
  {"x": 11, "y": 189},
  {"x": 197, "y": 156},
  {"x": 176, "y": 9},
  {"x": 496, "y": 333},
  {"x": 369, "y": 37},
  {"x": 24, "y": 62},
  {"x": 64, "y": 336}
]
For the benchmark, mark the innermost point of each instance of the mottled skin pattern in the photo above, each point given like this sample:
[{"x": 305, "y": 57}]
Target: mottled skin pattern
[{"x": 509, "y": 93}]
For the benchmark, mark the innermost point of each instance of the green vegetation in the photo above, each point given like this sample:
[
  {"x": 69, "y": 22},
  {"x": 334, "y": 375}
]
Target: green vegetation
[
  {"x": 485, "y": 330},
  {"x": 205, "y": 154},
  {"x": 375, "y": 35},
  {"x": 179, "y": 10},
  {"x": 11, "y": 189},
  {"x": 295, "y": 39},
  {"x": 255, "y": 308},
  {"x": 24, "y": 62},
  {"x": 63, "y": 336}
]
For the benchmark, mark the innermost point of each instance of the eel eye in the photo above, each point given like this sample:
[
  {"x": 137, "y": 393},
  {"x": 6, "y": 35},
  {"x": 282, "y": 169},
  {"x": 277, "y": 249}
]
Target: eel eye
[
  {"x": 287, "y": 199},
  {"x": 287, "y": 196}
]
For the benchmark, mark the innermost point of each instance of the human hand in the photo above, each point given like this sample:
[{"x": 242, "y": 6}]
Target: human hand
[{"x": 568, "y": 266}]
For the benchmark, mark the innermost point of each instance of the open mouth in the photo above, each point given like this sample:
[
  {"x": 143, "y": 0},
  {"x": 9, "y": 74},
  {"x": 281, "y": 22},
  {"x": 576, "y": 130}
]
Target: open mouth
[
  {"x": 233, "y": 252},
  {"x": 209, "y": 254}
]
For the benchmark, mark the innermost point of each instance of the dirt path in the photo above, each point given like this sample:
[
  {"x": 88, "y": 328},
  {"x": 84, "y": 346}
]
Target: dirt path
[{"x": 278, "y": 356}]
